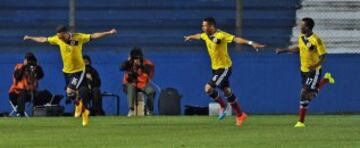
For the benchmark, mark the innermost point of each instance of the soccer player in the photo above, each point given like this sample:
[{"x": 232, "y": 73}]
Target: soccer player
[
  {"x": 216, "y": 42},
  {"x": 312, "y": 55},
  {"x": 71, "y": 45}
]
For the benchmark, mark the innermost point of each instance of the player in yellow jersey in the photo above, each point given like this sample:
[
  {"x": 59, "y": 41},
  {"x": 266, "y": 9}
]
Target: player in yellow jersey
[
  {"x": 71, "y": 46},
  {"x": 216, "y": 42},
  {"x": 312, "y": 52}
]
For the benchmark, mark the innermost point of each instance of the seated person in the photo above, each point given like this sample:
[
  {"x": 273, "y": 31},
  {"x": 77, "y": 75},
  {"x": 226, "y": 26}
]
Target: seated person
[
  {"x": 138, "y": 73},
  {"x": 24, "y": 88},
  {"x": 93, "y": 82}
]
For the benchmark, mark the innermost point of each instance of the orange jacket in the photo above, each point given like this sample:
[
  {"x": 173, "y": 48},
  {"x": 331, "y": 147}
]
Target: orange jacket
[
  {"x": 143, "y": 78},
  {"x": 24, "y": 84}
]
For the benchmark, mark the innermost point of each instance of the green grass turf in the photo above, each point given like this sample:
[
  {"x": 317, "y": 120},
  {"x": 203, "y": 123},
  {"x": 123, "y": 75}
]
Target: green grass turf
[{"x": 322, "y": 131}]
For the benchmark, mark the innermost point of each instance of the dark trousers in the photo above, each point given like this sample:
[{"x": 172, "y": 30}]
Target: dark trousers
[
  {"x": 96, "y": 101},
  {"x": 39, "y": 98}
]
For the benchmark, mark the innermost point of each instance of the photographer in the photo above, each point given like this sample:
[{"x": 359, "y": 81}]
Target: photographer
[
  {"x": 25, "y": 83},
  {"x": 138, "y": 73},
  {"x": 93, "y": 82}
]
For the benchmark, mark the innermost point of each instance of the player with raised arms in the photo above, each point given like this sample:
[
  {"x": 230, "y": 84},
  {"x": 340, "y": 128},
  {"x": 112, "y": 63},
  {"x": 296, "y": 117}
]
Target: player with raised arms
[
  {"x": 71, "y": 46},
  {"x": 217, "y": 42}
]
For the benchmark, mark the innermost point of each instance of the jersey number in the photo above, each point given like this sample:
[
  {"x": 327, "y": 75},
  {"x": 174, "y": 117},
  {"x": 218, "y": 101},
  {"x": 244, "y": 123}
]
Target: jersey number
[
  {"x": 74, "y": 81},
  {"x": 309, "y": 81}
]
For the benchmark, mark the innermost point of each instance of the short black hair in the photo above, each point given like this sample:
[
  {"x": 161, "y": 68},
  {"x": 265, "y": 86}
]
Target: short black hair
[
  {"x": 30, "y": 57},
  {"x": 309, "y": 22},
  {"x": 61, "y": 29},
  {"x": 136, "y": 52},
  {"x": 210, "y": 20}
]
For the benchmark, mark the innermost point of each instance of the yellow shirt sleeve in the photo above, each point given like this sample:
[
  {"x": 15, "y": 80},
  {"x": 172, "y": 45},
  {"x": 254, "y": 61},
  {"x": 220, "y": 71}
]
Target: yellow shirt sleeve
[
  {"x": 85, "y": 37},
  {"x": 52, "y": 40},
  {"x": 228, "y": 38},
  {"x": 320, "y": 47},
  {"x": 202, "y": 36}
]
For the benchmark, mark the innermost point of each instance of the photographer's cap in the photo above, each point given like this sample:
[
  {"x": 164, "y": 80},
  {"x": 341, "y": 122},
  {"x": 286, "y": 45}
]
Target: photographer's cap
[
  {"x": 30, "y": 57},
  {"x": 136, "y": 52}
]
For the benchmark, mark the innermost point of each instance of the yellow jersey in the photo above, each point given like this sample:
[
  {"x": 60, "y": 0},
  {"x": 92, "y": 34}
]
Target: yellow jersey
[
  {"x": 71, "y": 52},
  {"x": 310, "y": 49},
  {"x": 217, "y": 46}
]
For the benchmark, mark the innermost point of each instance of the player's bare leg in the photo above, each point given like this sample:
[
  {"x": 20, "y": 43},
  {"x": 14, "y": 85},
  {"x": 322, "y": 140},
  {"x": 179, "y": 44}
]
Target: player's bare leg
[
  {"x": 210, "y": 91},
  {"x": 231, "y": 98},
  {"x": 72, "y": 95},
  {"x": 305, "y": 98},
  {"x": 327, "y": 79}
]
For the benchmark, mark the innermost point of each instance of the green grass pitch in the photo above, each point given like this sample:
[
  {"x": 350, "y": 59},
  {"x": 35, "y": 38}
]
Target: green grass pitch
[{"x": 322, "y": 131}]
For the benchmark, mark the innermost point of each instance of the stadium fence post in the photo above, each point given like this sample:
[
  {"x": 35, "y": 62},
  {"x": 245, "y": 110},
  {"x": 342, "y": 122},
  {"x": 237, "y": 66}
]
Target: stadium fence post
[{"x": 239, "y": 17}]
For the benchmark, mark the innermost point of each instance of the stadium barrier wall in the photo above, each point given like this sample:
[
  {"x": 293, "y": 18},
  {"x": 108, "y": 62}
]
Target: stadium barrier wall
[{"x": 264, "y": 83}]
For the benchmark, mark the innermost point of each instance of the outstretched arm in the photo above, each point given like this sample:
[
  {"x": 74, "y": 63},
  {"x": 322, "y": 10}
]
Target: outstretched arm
[
  {"x": 242, "y": 41},
  {"x": 99, "y": 35},
  {"x": 293, "y": 49},
  {"x": 192, "y": 37},
  {"x": 39, "y": 39}
]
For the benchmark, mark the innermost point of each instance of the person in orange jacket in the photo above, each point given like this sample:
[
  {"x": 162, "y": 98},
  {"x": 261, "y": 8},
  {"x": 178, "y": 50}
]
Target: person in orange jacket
[
  {"x": 138, "y": 73},
  {"x": 25, "y": 82}
]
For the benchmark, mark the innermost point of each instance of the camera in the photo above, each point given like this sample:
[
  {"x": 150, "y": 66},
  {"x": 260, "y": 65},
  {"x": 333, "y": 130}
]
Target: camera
[
  {"x": 32, "y": 63},
  {"x": 30, "y": 66},
  {"x": 132, "y": 76}
]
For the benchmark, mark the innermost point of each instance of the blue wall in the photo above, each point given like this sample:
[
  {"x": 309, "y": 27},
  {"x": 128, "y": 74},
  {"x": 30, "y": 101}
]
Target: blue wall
[{"x": 264, "y": 83}]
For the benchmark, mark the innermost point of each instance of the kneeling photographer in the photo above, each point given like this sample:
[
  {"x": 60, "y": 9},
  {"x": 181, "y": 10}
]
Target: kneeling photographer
[{"x": 25, "y": 82}]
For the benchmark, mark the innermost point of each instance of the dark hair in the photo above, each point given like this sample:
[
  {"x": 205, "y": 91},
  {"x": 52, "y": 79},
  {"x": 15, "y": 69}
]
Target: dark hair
[
  {"x": 309, "y": 22},
  {"x": 86, "y": 57},
  {"x": 210, "y": 20},
  {"x": 136, "y": 52},
  {"x": 30, "y": 57},
  {"x": 61, "y": 29}
]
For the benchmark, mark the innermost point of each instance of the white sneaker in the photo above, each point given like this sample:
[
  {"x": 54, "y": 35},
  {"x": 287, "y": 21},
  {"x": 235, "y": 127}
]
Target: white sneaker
[
  {"x": 149, "y": 113},
  {"x": 131, "y": 113}
]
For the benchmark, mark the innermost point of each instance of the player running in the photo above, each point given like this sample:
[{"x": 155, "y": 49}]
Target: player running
[
  {"x": 312, "y": 55},
  {"x": 216, "y": 42},
  {"x": 71, "y": 45}
]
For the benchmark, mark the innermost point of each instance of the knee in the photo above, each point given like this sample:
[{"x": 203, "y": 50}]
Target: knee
[
  {"x": 22, "y": 95},
  {"x": 307, "y": 95},
  {"x": 150, "y": 89},
  {"x": 304, "y": 99},
  {"x": 130, "y": 87},
  {"x": 70, "y": 92},
  {"x": 152, "y": 93},
  {"x": 151, "y": 96},
  {"x": 13, "y": 98},
  {"x": 227, "y": 91},
  {"x": 96, "y": 90},
  {"x": 84, "y": 90},
  {"x": 130, "y": 90},
  {"x": 229, "y": 95},
  {"x": 208, "y": 89}
]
